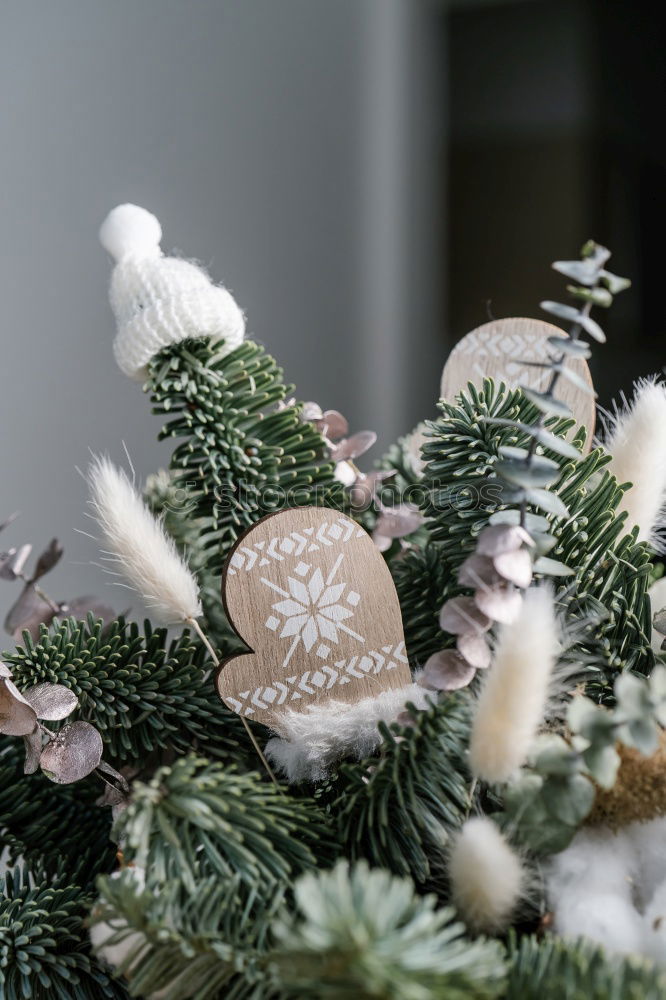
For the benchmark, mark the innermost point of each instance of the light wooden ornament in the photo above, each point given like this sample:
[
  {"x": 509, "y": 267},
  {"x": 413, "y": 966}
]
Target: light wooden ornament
[
  {"x": 311, "y": 595},
  {"x": 497, "y": 349}
]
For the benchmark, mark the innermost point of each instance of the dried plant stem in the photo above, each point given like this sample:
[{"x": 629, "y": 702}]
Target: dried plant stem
[{"x": 216, "y": 660}]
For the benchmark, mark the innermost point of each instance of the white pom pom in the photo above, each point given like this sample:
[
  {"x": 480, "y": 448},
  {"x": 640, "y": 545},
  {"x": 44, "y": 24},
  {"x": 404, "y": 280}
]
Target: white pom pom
[{"x": 129, "y": 229}]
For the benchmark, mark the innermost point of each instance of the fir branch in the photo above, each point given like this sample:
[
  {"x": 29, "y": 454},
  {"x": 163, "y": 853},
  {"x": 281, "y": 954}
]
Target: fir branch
[
  {"x": 398, "y": 809},
  {"x": 607, "y": 595},
  {"x": 142, "y": 692},
  {"x": 204, "y": 945},
  {"x": 242, "y": 451},
  {"x": 37, "y": 820},
  {"x": 367, "y": 935},
  {"x": 198, "y": 819},
  {"x": 44, "y": 953},
  {"x": 554, "y": 969}
]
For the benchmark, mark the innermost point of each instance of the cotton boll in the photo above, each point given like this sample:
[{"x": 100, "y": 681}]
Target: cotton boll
[
  {"x": 649, "y": 851},
  {"x": 590, "y": 888},
  {"x": 515, "y": 691},
  {"x": 487, "y": 877},
  {"x": 637, "y": 445},
  {"x": 655, "y": 925},
  {"x": 140, "y": 546}
]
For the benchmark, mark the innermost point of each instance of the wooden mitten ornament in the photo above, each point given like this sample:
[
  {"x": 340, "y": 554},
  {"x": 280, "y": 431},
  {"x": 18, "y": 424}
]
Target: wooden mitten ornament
[
  {"x": 491, "y": 351},
  {"x": 311, "y": 595}
]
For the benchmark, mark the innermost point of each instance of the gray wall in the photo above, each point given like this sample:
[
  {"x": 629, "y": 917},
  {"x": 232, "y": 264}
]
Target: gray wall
[{"x": 294, "y": 146}]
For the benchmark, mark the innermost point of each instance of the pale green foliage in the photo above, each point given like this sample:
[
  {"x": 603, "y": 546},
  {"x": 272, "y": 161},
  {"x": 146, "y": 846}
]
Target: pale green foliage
[{"x": 365, "y": 934}]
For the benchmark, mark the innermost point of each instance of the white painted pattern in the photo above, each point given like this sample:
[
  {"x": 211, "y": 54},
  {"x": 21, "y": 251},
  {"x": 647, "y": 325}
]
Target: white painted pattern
[
  {"x": 246, "y": 557},
  {"x": 289, "y": 689}
]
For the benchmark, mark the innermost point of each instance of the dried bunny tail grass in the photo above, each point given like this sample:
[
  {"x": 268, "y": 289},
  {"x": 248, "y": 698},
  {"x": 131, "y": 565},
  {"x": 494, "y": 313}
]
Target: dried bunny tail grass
[
  {"x": 487, "y": 877},
  {"x": 139, "y": 545},
  {"x": 636, "y": 441},
  {"x": 514, "y": 697}
]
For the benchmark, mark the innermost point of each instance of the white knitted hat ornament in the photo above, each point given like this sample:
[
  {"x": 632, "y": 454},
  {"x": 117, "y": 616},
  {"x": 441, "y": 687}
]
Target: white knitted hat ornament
[{"x": 160, "y": 300}]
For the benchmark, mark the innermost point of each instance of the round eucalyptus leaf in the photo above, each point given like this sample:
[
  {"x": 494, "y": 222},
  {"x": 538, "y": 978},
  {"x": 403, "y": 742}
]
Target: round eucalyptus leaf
[
  {"x": 546, "y": 402},
  {"x": 477, "y": 570},
  {"x": 501, "y": 604},
  {"x": 33, "y": 750},
  {"x": 548, "y": 501},
  {"x": 561, "y": 310},
  {"x": 575, "y": 348},
  {"x": 498, "y": 538},
  {"x": 551, "y": 567},
  {"x": 51, "y": 702},
  {"x": 585, "y": 272},
  {"x": 516, "y": 567},
  {"x": 17, "y": 716},
  {"x": 72, "y": 754},
  {"x": 475, "y": 650},
  {"x": 447, "y": 670},
  {"x": 461, "y": 615}
]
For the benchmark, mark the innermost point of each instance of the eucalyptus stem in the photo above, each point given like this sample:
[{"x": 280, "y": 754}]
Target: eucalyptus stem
[{"x": 574, "y": 334}]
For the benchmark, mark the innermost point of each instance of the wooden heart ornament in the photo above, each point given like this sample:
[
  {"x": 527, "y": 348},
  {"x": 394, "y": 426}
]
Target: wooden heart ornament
[
  {"x": 498, "y": 350},
  {"x": 311, "y": 595}
]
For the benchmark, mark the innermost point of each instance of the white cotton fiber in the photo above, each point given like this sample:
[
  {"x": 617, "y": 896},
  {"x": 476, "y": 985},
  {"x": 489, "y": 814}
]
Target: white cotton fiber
[{"x": 312, "y": 741}]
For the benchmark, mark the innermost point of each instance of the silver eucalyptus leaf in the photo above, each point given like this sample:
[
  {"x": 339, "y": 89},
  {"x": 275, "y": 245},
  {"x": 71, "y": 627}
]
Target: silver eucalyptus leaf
[
  {"x": 575, "y": 348},
  {"x": 613, "y": 282},
  {"x": 548, "y": 501},
  {"x": 17, "y": 716},
  {"x": 49, "y": 558},
  {"x": 333, "y": 425},
  {"x": 312, "y": 411},
  {"x": 51, "y": 702},
  {"x": 33, "y": 750},
  {"x": 533, "y": 522},
  {"x": 516, "y": 567},
  {"x": 659, "y": 621},
  {"x": 562, "y": 311},
  {"x": 28, "y": 612},
  {"x": 477, "y": 570},
  {"x": 447, "y": 671},
  {"x": 546, "y": 402},
  {"x": 475, "y": 650},
  {"x": 501, "y": 604},
  {"x": 396, "y": 522},
  {"x": 585, "y": 272},
  {"x": 538, "y": 472},
  {"x": 461, "y": 615},
  {"x": 498, "y": 538},
  {"x": 72, "y": 754},
  {"x": 353, "y": 446},
  {"x": 551, "y": 567},
  {"x": 382, "y": 542}
]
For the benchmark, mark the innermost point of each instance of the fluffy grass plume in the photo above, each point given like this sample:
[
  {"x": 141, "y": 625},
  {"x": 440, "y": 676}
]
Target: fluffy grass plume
[
  {"x": 637, "y": 445},
  {"x": 487, "y": 877},
  {"x": 139, "y": 545},
  {"x": 513, "y": 699}
]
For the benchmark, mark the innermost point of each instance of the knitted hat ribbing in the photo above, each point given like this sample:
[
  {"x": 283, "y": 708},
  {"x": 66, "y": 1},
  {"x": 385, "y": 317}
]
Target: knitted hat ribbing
[{"x": 160, "y": 300}]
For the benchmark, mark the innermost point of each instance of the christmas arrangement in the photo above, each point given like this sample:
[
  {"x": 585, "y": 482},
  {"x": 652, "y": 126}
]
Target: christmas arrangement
[{"x": 394, "y": 733}]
